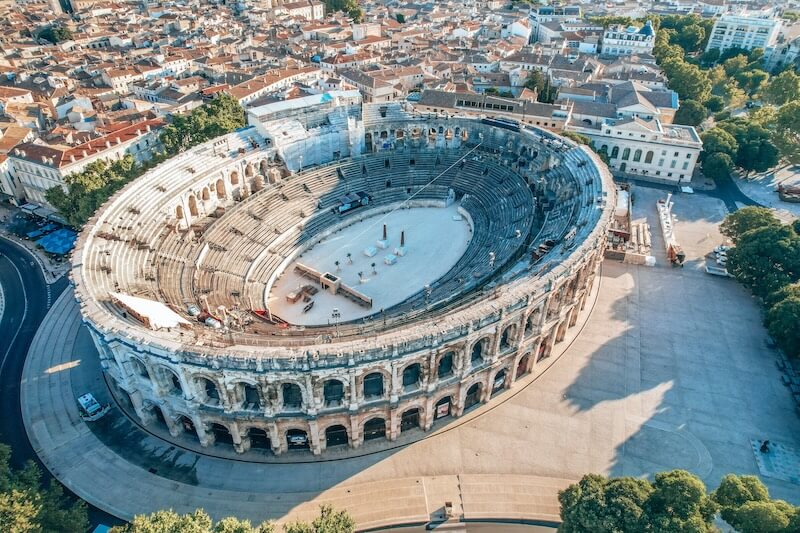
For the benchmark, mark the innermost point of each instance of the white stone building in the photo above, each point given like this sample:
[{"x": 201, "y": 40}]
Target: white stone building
[
  {"x": 622, "y": 41},
  {"x": 646, "y": 148},
  {"x": 745, "y": 31}
]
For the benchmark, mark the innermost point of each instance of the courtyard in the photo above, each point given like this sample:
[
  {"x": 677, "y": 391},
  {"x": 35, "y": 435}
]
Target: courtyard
[{"x": 672, "y": 370}]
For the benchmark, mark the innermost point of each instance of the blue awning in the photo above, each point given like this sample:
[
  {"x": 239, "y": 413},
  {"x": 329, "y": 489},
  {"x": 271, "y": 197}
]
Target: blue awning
[{"x": 59, "y": 242}]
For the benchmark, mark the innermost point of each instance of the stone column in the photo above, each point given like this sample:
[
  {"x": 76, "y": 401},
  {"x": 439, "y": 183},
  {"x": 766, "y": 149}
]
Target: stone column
[
  {"x": 394, "y": 424},
  {"x": 145, "y": 415},
  {"x": 206, "y": 438},
  {"x": 314, "y": 437},
  {"x": 237, "y": 438},
  {"x": 395, "y": 385},
  {"x": 311, "y": 406},
  {"x": 356, "y": 438},
  {"x": 274, "y": 438},
  {"x": 427, "y": 421},
  {"x": 354, "y": 393}
]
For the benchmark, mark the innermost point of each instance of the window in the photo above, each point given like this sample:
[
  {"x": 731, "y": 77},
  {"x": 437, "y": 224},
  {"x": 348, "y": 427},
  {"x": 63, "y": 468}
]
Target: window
[
  {"x": 626, "y": 154},
  {"x": 672, "y": 164},
  {"x": 661, "y": 162},
  {"x": 688, "y": 156},
  {"x": 685, "y": 165}
]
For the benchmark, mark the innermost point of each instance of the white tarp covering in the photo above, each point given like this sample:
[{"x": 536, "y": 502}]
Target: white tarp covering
[{"x": 154, "y": 314}]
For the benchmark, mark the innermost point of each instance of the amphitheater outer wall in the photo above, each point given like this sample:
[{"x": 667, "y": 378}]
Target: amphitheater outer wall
[{"x": 254, "y": 395}]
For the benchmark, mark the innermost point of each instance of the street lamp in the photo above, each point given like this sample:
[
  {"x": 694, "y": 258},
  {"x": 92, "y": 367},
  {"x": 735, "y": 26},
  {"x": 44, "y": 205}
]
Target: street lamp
[{"x": 335, "y": 316}]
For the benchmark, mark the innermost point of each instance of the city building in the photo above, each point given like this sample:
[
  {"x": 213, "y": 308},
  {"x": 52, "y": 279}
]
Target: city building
[
  {"x": 624, "y": 41},
  {"x": 746, "y": 31}
]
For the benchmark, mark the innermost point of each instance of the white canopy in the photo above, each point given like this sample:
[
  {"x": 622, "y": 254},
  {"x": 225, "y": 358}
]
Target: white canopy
[{"x": 154, "y": 314}]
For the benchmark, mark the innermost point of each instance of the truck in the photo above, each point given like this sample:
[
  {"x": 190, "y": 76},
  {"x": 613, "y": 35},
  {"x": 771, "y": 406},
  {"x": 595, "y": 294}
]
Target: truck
[{"x": 90, "y": 409}]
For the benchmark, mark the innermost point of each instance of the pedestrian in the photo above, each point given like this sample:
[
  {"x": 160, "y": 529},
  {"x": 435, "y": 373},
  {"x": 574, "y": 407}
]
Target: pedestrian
[{"x": 765, "y": 447}]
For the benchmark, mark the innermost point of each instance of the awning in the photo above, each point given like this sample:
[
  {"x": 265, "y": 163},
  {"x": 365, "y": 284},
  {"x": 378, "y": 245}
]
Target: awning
[
  {"x": 153, "y": 314},
  {"x": 59, "y": 242}
]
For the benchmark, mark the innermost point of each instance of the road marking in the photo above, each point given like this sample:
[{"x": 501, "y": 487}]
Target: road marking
[{"x": 24, "y": 315}]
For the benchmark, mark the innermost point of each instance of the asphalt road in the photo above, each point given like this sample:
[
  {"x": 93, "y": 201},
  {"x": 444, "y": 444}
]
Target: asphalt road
[{"x": 28, "y": 298}]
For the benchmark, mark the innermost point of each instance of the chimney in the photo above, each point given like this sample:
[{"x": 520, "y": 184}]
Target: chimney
[
  {"x": 85, "y": 153},
  {"x": 119, "y": 141},
  {"x": 138, "y": 132},
  {"x": 148, "y": 128},
  {"x": 44, "y": 159},
  {"x": 72, "y": 158},
  {"x": 384, "y": 232},
  {"x": 108, "y": 143}
]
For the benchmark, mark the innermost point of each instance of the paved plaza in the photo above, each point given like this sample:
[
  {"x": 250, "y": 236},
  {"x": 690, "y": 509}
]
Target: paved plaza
[
  {"x": 672, "y": 370},
  {"x": 763, "y": 187}
]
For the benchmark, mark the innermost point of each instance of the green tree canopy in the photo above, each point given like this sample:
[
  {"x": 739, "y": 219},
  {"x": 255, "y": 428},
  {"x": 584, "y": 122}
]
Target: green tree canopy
[
  {"x": 717, "y": 166},
  {"x": 690, "y": 113},
  {"x": 687, "y": 80},
  {"x": 783, "y": 324},
  {"x": 765, "y": 259},
  {"x": 746, "y": 219},
  {"x": 718, "y": 140},
  {"x": 783, "y": 88},
  {"x": 168, "y": 521},
  {"x": 26, "y": 506},
  {"x": 328, "y": 521},
  {"x": 746, "y": 505}
]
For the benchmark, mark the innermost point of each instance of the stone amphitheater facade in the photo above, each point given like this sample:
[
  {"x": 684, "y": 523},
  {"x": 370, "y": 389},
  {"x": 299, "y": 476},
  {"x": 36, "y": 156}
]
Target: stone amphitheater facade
[{"x": 213, "y": 227}]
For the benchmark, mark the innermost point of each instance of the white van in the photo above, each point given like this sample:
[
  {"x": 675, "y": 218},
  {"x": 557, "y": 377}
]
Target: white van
[{"x": 90, "y": 408}]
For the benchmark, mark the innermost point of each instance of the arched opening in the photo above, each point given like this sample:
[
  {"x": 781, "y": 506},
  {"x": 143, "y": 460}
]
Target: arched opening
[
  {"x": 442, "y": 408},
  {"x": 263, "y": 166},
  {"x": 384, "y": 134},
  {"x": 292, "y": 396},
  {"x": 234, "y": 178},
  {"x": 220, "y": 187},
  {"x": 445, "y": 368},
  {"x": 637, "y": 155},
  {"x": 532, "y": 323},
  {"x": 386, "y": 163},
  {"x": 205, "y": 195},
  {"x": 587, "y": 121},
  {"x": 258, "y": 183},
  {"x": 208, "y": 390},
  {"x": 499, "y": 382},
  {"x": 222, "y": 434},
  {"x": 179, "y": 212},
  {"x": 368, "y": 141},
  {"x": 139, "y": 369},
  {"x": 464, "y": 135},
  {"x": 522, "y": 366},
  {"x": 507, "y": 337},
  {"x": 473, "y": 397},
  {"x": 333, "y": 393},
  {"x": 416, "y": 133},
  {"x": 259, "y": 439},
  {"x": 412, "y": 377},
  {"x": 648, "y": 158},
  {"x": 297, "y": 439},
  {"x": 188, "y": 426},
  {"x": 373, "y": 386},
  {"x": 626, "y": 154},
  {"x": 409, "y": 419},
  {"x": 172, "y": 382},
  {"x": 614, "y": 152},
  {"x": 388, "y": 184},
  {"x": 441, "y": 130},
  {"x": 336, "y": 436},
  {"x": 479, "y": 350},
  {"x": 448, "y": 134},
  {"x": 193, "y": 206},
  {"x": 375, "y": 429},
  {"x": 251, "y": 399},
  {"x": 249, "y": 171},
  {"x": 399, "y": 134},
  {"x": 159, "y": 414}
]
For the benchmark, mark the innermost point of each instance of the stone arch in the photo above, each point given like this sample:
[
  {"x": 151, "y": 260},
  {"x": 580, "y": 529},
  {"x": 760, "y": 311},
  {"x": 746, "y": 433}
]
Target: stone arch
[
  {"x": 614, "y": 152},
  {"x": 250, "y": 396},
  {"x": 259, "y": 438},
  {"x": 445, "y": 364},
  {"x": 249, "y": 171},
  {"x": 412, "y": 377},
  {"x": 205, "y": 194},
  {"x": 399, "y": 133},
  {"x": 220, "y": 188},
  {"x": 374, "y": 428},
  {"x": 263, "y": 166},
  {"x": 464, "y": 135},
  {"x": 626, "y": 154},
  {"x": 498, "y": 381},
  {"x": 234, "y": 178},
  {"x": 387, "y": 378},
  {"x": 448, "y": 134},
  {"x": 187, "y": 425},
  {"x": 523, "y": 365},
  {"x": 441, "y": 130},
  {"x": 439, "y": 409},
  {"x": 193, "y": 206},
  {"x": 508, "y": 336},
  {"x": 179, "y": 212},
  {"x": 222, "y": 433},
  {"x": 373, "y": 385},
  {"x": 291, "y": 396},
  {"x": 410, "y": 418},
  {"x": 208, "y": 389},
  {"x": 297, "y": 439},
  {"x": 333, "y": 392},
  {"x": 258, "y": 183},
  {"x": 416, "y": 133},
  {"x": 479, "y": 350},
  {"x": 169, "y": 378},
  {"x": 384, "y": 134},
  {"x": 336, "y": 435},
  {"x": 648, "y": 158},
  {"x": 637, "y": 155},
  {"x": 472, "y": 395},
  {"x": 139, "y": 368},
  {"x": 532, "y": 321}
]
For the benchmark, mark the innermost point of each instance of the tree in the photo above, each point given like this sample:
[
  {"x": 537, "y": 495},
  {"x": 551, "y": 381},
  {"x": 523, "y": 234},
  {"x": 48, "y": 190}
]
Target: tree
[
  {"x": 766, "y": 259},
  {"x": 690, "y": 113},
  {"x": 687, "y": 80},
  {"x": 715, "y": 103},
  {"x": 788, "y": 291},
  {"x": 783, "y": 88},
  {"x": 734, "y": 491},
  {"x": 783, "y": 324},
  {"x": 690, "y": 38},
  {"x": 746, "y": 505},
  {"x": 756, "y": 151},
  {"x": 680, "y": 503},
  {"x": 56, "y": 34},
  {"x": 747, "y": 219},
  {"x": 751, "y": 81},
  {"x": 169, "y": 521},
  {"x": 577, "y": 137},
  {"x": 598, "y": 504},
  {"x": 717, "y": 166},
  {"x": 718, "y": 140},
  {"x": 28, "y": 506},
  {"x": 329, "y": 521}
]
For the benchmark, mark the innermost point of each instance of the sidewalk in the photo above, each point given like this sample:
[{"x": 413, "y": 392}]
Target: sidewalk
[{"x": 762, "y": 188}]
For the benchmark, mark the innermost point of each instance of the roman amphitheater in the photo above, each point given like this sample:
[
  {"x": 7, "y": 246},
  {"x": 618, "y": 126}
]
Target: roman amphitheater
[{"x": 339, "y": 273}]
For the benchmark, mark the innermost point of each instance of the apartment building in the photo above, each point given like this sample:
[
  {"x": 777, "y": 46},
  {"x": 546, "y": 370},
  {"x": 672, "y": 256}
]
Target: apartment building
[
  {"x": 745, "y": 31},
  {"x": 625, "y": 41}
]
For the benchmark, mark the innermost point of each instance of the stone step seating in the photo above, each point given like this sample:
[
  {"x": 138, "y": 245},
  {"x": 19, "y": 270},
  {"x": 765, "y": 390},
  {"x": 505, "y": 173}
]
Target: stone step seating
[{"x": 511, "y": 496}]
